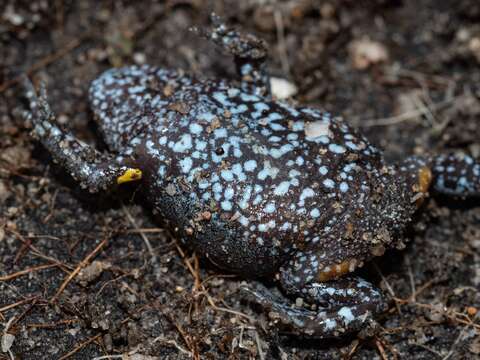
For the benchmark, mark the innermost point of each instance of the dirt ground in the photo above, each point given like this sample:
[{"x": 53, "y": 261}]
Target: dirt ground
[{"x": 406, "y": 73}]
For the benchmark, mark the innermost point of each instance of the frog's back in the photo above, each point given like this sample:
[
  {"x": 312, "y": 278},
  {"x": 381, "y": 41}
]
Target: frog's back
[
  {"x": 126, "y": 100},
  {"x": 278, "y": 176}
]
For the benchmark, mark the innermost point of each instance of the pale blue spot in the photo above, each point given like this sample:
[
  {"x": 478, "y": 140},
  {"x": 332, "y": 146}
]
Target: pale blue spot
[
  {"x": 338, "y": 149},
  {"x": 195, "y": 128},
  {"x": 250, "y": 165},
  {"x": 292, "y": 136},
  {"x": 329, "y": 183},
  {"x": 249, "y": 98},
  {"x": 227, "y": 175},
  {"x": 323, "y": 139},
  {"x": 351, "y": 145},
  {"x": 260, "y": 106},
  {"x": 239, "y": 109},
  {"x": 343, "y": 187},
  {"x": 238, "y": 171},
  {"x": 217, "y": 188},
  {"x": 206, "y": 116},
  {"x": 245, "y": 197},
  {"x": 274, "y": 139},
  {"x": 222, "y": 99},
  {"x": 262, "y": 227},
  {"x": 270, "y": 208},
  {"x": 226, "y": 205},
  {"x": 315, "y": 213},
  {"x": 184, "y": 144},
  {"x": 276, "y": 127},
  {"x": 220, "y": 133},
  {"x": 298, "y": 126},
  {"x": 311, "y": 112},
  {"x": 229, "y": 193},
  {"x": 200, "y": 145},
  {"x": 293, "y": 173},
  {"x": 306, "y": 193},
  {"x": 282, "y": 188},
  {"x": 186, "y": 164}
]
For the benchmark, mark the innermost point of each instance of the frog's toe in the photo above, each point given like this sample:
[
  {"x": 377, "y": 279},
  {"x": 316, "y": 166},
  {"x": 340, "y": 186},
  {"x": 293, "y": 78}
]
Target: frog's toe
[{"x": 280, "y": 310}]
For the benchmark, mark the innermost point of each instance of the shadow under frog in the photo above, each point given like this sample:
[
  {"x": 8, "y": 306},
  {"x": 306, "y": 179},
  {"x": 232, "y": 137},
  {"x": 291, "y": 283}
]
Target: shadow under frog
[{"x": 258, "y": 186}]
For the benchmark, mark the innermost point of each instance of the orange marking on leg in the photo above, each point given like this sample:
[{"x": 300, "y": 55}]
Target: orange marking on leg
[
  {"x": 424, "y": 181},
  {"x": 335, "y": 271}
]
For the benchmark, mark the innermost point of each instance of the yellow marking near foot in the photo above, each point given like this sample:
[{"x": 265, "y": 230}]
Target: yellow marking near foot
[
  {"x": 130, "y": 175},
  {"x": 334, "y": 271},
  {"x": 424, "y": 181}
]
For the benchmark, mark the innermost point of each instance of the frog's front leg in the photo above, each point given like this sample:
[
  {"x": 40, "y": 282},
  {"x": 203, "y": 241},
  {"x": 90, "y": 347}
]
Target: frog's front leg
[
  {"x": 249, "y": 52},
  {"x": 343, "y": 305},
  {"x": 94, "y": 171}
]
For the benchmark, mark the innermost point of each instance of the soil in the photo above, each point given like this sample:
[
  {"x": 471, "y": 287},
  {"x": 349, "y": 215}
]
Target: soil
[{"x": 77, "y": 280}]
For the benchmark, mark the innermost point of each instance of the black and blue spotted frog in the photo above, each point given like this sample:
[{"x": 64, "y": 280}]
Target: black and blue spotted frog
[{"x": 258, "y": 186}]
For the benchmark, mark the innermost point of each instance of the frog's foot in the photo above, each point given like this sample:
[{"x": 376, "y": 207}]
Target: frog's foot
[
  {"x": 94, "y": 171},
  {"x": 450, "y": 174},
  {"x": 248, "y": 51},
  {"x": 337, "y": 307},
  {"x": 457, "y": 175}
]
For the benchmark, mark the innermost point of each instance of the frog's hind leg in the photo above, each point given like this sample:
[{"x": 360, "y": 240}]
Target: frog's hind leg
[
  {"x": 343, "y": 304},
  {"x": 94, "y": 171},
  {"x": 249, "y": 52},
  {"x": 450, "y": 174}
]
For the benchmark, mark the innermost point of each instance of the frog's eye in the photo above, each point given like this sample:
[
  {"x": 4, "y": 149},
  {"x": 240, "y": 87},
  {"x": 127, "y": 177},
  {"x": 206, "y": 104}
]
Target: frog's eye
[{"x": 129, "y": 175}]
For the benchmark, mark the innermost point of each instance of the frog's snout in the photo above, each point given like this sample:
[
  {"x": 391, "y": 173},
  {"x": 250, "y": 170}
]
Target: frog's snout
[{"x": 129, "y": 175}]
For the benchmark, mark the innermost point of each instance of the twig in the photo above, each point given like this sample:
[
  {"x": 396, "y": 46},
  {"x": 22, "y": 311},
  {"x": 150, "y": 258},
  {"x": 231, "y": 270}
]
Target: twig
[
  {"x": 282, "y": 47},
  {"x": 52, "y": 207},
  {"x": 80, "y": 346},
  {"x": 388, "y": 286},
  {"x": 80, "y": 266},
  {"x": 457, "y": 340},
  {"x": 452, "y": 315},
  {"x": 408, "y": 115},
  {"x": 35, "y": 251},
  {"x": 191, "y": 345},
  {"x": 174, "y": 343},
  {"x": 52, "y": 325},
  {"x": 259, "y": 346},
  {"x": 145, "y": 230},
  {"x": 354, "y": 348},
  {"x": 26, "y": 271},
  {"x": 381, "y": 350},
  {"x": 204, "y": 292},
  {"x": 49, "y": 59},
  {"x": 18, "y": 303},
  {"x": 412, "y": 280},
  {"x": 142, "y": 234}
]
